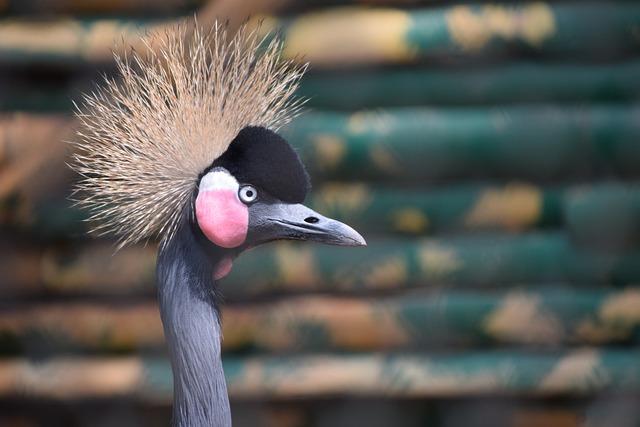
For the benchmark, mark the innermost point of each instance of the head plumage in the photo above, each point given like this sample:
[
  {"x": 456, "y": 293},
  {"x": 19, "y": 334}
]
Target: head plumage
[{"x": 175, "y": 108}]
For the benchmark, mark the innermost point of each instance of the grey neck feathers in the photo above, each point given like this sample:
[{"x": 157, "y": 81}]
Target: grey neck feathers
[{"x": 188, "y": 307}]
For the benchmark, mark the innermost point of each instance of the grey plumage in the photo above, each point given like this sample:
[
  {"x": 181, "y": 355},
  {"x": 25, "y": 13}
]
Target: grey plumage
[{"x": 188, "y": 307}]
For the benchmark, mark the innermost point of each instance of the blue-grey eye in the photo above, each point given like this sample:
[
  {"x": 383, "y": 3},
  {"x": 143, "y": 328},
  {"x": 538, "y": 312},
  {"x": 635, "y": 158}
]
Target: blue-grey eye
[{"x": 248, "y": 194}]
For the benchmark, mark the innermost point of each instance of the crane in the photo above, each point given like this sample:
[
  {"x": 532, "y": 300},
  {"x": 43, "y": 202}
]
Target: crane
[{"x": 184, "y": 148}]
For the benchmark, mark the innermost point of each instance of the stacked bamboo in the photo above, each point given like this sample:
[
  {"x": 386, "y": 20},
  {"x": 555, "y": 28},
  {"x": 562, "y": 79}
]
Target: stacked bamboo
[
  {"x": 488, "y": 153},
  {"x": 546, "y": 317}
]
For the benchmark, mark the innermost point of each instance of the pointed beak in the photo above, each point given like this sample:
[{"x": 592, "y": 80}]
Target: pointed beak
[{"x": 298, "y": 222}]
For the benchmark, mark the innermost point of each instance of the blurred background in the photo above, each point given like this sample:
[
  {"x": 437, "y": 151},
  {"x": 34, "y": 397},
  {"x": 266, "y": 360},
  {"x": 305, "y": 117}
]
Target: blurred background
[{"x": 489, "y": 153}]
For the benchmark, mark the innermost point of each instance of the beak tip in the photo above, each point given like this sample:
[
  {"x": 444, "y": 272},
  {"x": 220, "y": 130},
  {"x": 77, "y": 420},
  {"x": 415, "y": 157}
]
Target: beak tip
[{"x": 358, "y": 239}]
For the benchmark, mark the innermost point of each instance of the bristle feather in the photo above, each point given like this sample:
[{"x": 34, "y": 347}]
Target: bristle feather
[{"x": 145, "y": 138}]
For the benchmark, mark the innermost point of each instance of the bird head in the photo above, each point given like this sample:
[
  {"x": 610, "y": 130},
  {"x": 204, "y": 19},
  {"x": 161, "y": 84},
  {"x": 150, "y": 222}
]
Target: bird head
[
  {"x": 253, "y": 194},
  {"x": 187, "y": 135}
]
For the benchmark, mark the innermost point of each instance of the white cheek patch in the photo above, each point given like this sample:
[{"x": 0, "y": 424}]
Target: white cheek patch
[{"x": 219, "y": 179}]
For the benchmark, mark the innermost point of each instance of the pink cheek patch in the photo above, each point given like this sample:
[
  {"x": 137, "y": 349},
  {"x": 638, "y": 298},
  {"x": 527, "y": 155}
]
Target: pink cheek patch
[{"x": 222, "y": 217}]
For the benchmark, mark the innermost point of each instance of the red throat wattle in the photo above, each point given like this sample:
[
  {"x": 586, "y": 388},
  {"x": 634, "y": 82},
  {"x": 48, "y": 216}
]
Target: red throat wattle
[
  {"x": 223, "y": 268},
  {"x": 222, "y": 217}
]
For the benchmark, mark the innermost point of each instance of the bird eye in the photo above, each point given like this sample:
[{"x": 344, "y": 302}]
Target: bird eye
[{"x": 248, "y": 193}]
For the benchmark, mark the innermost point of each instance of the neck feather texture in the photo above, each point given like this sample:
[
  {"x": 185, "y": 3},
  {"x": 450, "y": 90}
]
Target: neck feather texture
[{"x": 189, "y": 311}]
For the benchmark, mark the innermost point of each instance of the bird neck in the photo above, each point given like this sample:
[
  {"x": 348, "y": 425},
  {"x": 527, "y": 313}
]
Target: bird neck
[{"x": 190, "y": 317}]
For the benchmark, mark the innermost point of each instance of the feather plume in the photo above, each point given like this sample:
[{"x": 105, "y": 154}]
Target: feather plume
[{"x": 175, "y": 108}]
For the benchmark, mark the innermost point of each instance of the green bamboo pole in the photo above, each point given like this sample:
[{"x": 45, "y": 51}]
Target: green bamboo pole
[
  {"x": 456, "y": 262},
  {"x": 470, "y": 262},
  {"x": 35, "y": 97},
  {"x": 501, "y": 84},
  {"x": 80, "y": 269},
  {"x": 32, "y": 166},
  {"x": 596, "y": 216},
  {"x": 578, "y": 373},
  {"x": 343, "y": 36},
  {"x": 355, "y": 36},
  {"x": 606, "y": 216},
  {"x": 68, "y": 41},
  {"x": 549, "y": 317},
  {"x": 585, "y": 212},
  {"x": 368, "y": 208},
  {"x": 542, "y": 317},
  {"x": 98, "y": 7},
  {"x": 513, "y": 207},
  {"x": 540, "y": 143}
]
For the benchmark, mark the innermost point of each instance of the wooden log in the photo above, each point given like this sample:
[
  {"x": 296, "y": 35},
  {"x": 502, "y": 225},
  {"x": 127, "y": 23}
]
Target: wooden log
[
  {"x": 356, "y": 36},
  {"x": 537, "y": 143},
  {"x": 584, "y": 372},
  {"x": 535, "y": 317},
  {"x": 516, "y": 82}
]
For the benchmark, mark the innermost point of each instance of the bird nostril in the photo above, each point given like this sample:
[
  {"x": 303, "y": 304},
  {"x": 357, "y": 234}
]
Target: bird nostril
[{"x": 311, "y": 220}]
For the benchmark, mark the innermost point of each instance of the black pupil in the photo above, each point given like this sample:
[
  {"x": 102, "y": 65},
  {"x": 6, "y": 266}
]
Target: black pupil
[{"x": 249, "y": 193}]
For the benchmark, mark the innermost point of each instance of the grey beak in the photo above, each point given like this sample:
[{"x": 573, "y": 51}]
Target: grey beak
[{"x": 298, "y": 222}]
